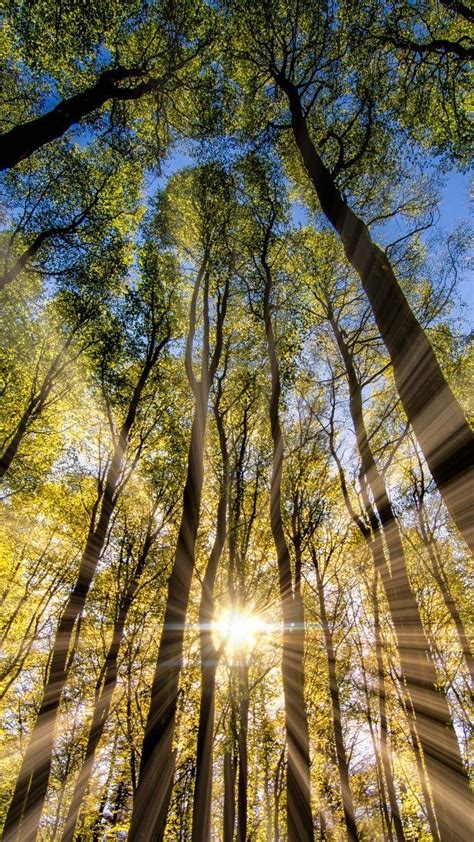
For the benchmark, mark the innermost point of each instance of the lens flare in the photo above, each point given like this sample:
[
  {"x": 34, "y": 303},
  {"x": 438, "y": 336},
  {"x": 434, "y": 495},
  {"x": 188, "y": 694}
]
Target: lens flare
[{"x": 238, "y": 630}]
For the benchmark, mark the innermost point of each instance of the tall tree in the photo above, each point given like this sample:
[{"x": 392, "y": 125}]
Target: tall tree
[
  {"x": 153, "y": 49},
  {"x": 212, "y": 222},
  {"x": 277, "y": 37},
  {"x": 30, "y": 789},
  {"x": 299, "y": 814},
  {"x": 210, "y": 653},
  {"x": 435, "y": 729}
]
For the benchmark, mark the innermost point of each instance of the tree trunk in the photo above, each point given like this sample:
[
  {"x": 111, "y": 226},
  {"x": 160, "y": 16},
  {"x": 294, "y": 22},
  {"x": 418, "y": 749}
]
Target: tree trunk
[
  {"x": 35, "y": 407},
  {"x": 382, "y": 700},
  {"x": 104, "y": 691},
  {"x": 155, "y": 785},
  {"x": 438, "y": 421},
  {"x": 157, "y": 761},
  {"x": 342, "y": 764},
  {"x": 383, "y": 803},
  {"x": 406, "y": 706},
  {"x": 242, "y": 749},
  {"x": 201, "y": 831},
  {"x": 443, "y": 584},
  {"x": 229, "y": 795},
  {"x": 21, "y": 141},
  {"x": 446, "y": 773},
  {"x": 299, "y": 814},
  {"x": 28, "y": 798}
]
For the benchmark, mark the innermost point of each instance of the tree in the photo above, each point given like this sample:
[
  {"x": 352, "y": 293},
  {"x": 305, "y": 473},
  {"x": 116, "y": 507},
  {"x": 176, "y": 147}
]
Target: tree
[
  {"x": 433, "y": 411},
  {"x": 175, "y": 36},
  {"x": 235, "y": 586},
  {"x": 157, "y": 759},
  {"x": 30, "y": 789}
]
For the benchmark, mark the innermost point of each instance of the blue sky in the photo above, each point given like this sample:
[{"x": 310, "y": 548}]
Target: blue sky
[{"x": 455, "y": 208}]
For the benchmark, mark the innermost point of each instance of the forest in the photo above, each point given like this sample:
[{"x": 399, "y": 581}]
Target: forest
[{"x": 236, "y": 457}]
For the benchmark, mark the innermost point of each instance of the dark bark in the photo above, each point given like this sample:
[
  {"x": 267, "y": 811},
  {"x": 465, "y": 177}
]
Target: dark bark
[
  {"x": 28, "y": 798},
  {"x": 460, "y": 8},
  {"x": 299, "y": 814},
  {"x": 437, "y": 46},
  {"x": 438, "y": 421},
  {"x": 104, "y": 690},
  {"x": 21, "y": 141},
  {"x": 341, "y": 757},
  {"x": 210, "y": 655},
  {"x": 229, "y": 794},
  {"x": 50, "y": 234},
  {"x": 157, "y": 764},
  {"x": 444, "y": 767},
  {"x": 242, "y": 749}
]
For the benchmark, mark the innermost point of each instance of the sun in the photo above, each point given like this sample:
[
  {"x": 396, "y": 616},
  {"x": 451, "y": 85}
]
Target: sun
[{"x": 238, "y": 630}]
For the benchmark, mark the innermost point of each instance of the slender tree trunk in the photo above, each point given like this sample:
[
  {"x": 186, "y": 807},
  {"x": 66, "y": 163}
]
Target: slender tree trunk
[
  {"x": 406, "y": 706},
  {"x": 201, "y": 831},
  {"x": 119, "y": 802},
  {"x": 446, "y": 773},
  {"x": 438, "y": 421},
  {"x": 229, "y": 794},
  {"x": 157, "y": 761},
  {"x": 104, "y": 691},
  {"x": 342, "y": 764},
  {"x": 278, "y": 790},
  {"x": 242, "y": 748},
  {"x": 155, "y": 785},
  {"x": 32, "y": 411},
  {"x": 28, "y": 798},
  {"x": 97, "y": 827},
  {"x": 383, "y": 803},
  {"x": 299, "y": 814},
  {"x": 375, "y": 545},
  {"x": 382, "y": 701}
]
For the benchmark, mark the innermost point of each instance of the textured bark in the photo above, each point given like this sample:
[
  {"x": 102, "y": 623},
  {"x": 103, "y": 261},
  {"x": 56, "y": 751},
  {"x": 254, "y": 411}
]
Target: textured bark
[
  {"x": 341, "y": 757},
  {"x": 438, "y": 421},
  {"x": 444, "y": 767},
  {"x": 299, "y": 814},
  {"x": 28, "y": 798}
]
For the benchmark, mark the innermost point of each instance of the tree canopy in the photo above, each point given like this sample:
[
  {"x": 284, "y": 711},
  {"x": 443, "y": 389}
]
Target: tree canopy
[{"x": 236, "y": 457}]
